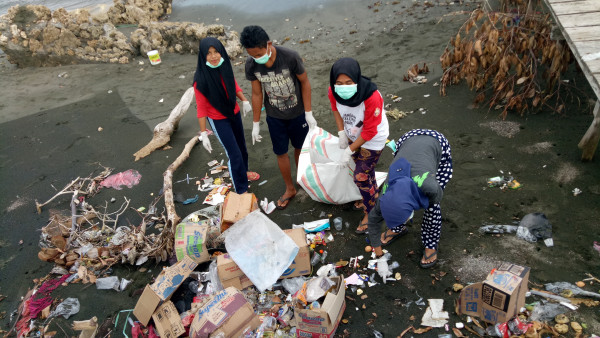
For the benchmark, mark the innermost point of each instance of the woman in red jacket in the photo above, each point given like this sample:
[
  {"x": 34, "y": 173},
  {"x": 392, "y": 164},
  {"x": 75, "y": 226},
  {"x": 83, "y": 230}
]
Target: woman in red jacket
[{"x": 216, "y": 91}]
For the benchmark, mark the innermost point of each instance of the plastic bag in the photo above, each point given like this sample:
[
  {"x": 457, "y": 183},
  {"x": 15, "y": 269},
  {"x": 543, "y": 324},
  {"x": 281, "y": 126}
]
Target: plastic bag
[
  {"x": 317, "y": 288},
  {"x": 67, "y": 308},
  {"x": 320, "y": 173},
  {"x": 117, "y": 181},
  {"x": 260, "y": 248},
  {"x": 533, "y": 227},
  {"x": 213, "y": 276},
  {"x": 292, "y": 285},
  {"x": 107, "y": 283}
]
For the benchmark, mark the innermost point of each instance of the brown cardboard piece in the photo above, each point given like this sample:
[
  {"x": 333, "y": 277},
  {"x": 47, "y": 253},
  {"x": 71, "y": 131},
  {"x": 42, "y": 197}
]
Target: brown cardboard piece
[
  {"x": 226, "y": 313},
  {"x": 499, "y": 297},
  {"x": 190, "y": 240},
  {"x": 323, "y": 322},
  {"x": 230, "y": 273},
  {"x": 235, "y": 207},
  {"x": 167, "y": 321},
  {"x": 162, "y": 289}
]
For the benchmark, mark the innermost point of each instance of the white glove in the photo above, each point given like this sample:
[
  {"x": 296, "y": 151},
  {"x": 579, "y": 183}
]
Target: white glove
[
  {"x": 343, "y": 139},
  {"x": 246, "y": 108},
  {"x": 310, "y": 119},
  {"x": 255, "y": 132},
  {"x": 205, "y": 141},
  {"x": 347, "y": 155},
  {"x": 383, "y": 269}
]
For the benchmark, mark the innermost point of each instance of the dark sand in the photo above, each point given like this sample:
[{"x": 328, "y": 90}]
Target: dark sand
[{"x": 49, "y": 136}]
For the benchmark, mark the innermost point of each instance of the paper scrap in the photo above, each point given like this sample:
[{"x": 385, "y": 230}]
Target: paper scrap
[{"x": 434, "y": 316}]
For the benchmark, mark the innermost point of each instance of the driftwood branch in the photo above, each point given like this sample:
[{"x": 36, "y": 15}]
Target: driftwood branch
[
  {"x": 172, "y": 217},
  {"x": 164, "y": 130},
  {"x": 589, "y": 141}
]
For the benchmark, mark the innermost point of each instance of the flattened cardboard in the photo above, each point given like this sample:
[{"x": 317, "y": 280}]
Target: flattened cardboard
[
  {"x": 499, "y": 297},
  {"x": 167, "y": 321},
  {"x": 324, "y": 321},
  {"x": 146, "y": 305},
  {"x": 301, "y": 264},
  {"x": 170, "y": 278},
  {"x": 230, "y": 273},
  {"x": 226, "y": 313},
  {"x": 190, "y": 240},
  {"x": 235, "y": 207}
]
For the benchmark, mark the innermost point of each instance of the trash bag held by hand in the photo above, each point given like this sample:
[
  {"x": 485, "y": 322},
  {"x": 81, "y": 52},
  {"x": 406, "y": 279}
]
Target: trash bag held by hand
[{"x": 321, "y": 174}]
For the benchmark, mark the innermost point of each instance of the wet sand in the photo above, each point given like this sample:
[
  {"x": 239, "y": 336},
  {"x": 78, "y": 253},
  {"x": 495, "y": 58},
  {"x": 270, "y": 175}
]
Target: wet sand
[{"x": 49, "y": 135}]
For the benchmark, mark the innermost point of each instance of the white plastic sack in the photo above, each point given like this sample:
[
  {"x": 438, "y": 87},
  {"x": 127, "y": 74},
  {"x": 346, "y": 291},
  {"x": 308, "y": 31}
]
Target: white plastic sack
[
  {"x": 260, "y": 248},
  {"x": 319, "y": 172}
]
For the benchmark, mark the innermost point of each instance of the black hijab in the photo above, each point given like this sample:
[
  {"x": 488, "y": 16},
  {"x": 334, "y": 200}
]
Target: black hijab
[
  {"x": 350, "y": 67},
  {"x": 208, "y": 80}
]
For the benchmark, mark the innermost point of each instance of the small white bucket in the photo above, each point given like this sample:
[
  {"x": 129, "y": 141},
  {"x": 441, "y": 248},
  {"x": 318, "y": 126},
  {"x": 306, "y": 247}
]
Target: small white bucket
[{"x": 154, "y": 57}]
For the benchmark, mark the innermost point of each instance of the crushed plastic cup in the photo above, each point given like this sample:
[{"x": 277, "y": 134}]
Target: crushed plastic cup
[
  {"x": 337, "y": 223},
  {"x": 154, "y": 57}
]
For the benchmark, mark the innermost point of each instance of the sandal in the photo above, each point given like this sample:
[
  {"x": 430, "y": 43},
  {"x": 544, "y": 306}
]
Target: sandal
[
  {"x": 365, "y": 231},
  {"x": 282, "y": 200},
  {"x": 426, "y": 257},
  {"x": 355, "y": 208},
  {"x": 393, "y": 237},
  {"x": 253, "y": 176}
]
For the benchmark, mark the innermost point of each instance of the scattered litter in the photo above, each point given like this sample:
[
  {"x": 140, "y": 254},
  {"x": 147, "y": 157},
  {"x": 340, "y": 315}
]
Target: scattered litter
[
  {"x": 190, "y": 200},
  {"x": 63, "y": 74},
  {"x": 268, "y": 207},
  {"x": 427, "y": 95},
  {"x": 263, "y": 182},
  {"x": 504, "y": 182},
  {"x": 577, "y": 191},
  {"x": 316, "y": 226},
  {"x": 110, "y": 91},
  {"x": 423, "y": 111},
  {"x": 182, "y": 76},
  {"x": 161, "y": 100},
  {"x": 69, "y": 307},
  {"x": 397, "y": 114}
]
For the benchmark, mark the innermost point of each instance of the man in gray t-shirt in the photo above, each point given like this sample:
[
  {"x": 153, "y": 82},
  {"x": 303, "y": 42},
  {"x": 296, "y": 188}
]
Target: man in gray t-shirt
[{"x": 279, "y": 82}]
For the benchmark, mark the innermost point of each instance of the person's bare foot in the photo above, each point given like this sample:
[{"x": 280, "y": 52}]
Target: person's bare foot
[{"x": 284, "y": 200}]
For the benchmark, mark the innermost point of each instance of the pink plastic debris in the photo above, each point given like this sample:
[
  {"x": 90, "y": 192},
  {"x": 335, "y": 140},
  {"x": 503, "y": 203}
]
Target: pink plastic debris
[{"x": 129, "y": 178}]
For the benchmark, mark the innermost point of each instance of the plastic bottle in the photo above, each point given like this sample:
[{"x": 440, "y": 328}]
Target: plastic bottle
[
  {"x": 393, "y": 265},
  {"x": 337, "y": 223},
  {"x": 324, "y": 255},
  {"x": 315, "y": 259}
]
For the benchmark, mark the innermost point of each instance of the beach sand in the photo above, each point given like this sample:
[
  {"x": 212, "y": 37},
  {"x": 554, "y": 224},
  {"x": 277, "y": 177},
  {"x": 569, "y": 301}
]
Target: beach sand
[{"x": 49, "y": 136}]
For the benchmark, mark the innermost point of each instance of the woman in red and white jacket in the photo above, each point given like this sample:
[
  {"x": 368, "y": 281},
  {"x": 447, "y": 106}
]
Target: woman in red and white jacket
[
  {"x": 362, "y": 127},
  {"x": 216, "y": 91}
]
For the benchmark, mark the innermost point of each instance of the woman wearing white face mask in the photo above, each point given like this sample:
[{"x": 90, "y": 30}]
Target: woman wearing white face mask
[
  {"x": 216, "y": 91},
  {"x": 362, "y": 127}
]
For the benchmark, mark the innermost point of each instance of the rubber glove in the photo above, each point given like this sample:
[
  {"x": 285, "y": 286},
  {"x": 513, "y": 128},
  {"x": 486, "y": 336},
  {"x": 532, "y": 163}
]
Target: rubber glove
[
  {"x": 310, "y": 119},
  {"x": 347, "y": 155},
  {"x": 255, "y": 132},
  {"x": 343, "y": 139},
  {"x": 246, "y": 108},
  {"x": 205, "y": 141}
]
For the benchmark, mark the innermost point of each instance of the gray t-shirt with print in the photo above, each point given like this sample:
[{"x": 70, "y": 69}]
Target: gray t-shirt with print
[{"x": 282, "y": 92}]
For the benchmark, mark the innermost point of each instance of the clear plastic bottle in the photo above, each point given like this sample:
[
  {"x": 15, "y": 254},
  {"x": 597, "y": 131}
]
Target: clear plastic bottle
[
  {"x": 337, "y": 223},
  {"x": 315, "y": 259},
  {"x": 324, "y": 255},
  {"x": 393, "y": 265}
]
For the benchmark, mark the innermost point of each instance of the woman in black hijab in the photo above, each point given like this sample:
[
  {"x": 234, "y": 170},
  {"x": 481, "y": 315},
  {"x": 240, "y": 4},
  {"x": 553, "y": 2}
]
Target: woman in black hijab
[
  {"x": 362, "y": 127},
  {"x": 216, "y": 91}
]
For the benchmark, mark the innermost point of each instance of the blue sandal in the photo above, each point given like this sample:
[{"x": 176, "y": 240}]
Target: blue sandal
[{"x": 393, "y": 237}]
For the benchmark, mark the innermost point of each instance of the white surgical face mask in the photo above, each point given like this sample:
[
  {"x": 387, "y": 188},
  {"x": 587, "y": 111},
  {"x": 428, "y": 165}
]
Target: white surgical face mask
[
  {"x": 212, "y": 66},
  {"x": 263, "y": 59}
]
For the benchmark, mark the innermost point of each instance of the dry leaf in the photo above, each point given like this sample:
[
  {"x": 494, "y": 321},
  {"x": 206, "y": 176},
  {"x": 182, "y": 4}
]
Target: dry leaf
[
  {"x": 521, "y": 80},
  {"x": 457, "y": 332},
  {"x": 422, "y": 330}
]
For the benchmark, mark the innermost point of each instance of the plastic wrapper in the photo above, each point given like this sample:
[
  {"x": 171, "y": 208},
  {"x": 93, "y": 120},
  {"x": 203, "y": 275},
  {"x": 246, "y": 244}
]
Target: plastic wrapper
[
  {"x": 107, "y": 283},
  {"x": 260, "y": 248},
  {"x": 69, "y": 307},
  {"x": 127, "y": 178},
  {"x": 213, "y": 276}
]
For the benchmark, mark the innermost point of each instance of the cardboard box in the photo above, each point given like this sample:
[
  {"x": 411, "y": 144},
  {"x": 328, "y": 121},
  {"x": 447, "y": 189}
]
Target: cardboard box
[
  {"x": 323, "y": 322},
  {"x": 167, "y": 321},
  {"x": 230, "y": 273},
  {"x": 499, "y": 297},
  {"x": 190, "y": 240},
  {"x": 235, "y": 207},
  {"x": 227, "y": 313},
  {"x": 162, "y": 289}
]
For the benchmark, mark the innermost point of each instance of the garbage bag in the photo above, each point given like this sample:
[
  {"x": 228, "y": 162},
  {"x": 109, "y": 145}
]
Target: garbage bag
[
  {"x": 321, "y": 174},
  {"x": 69, "y": 307},
  {"x": 260, "y": 248},
  {"x": 292, "y": 285},
  {"x": 533, "y": 227}
]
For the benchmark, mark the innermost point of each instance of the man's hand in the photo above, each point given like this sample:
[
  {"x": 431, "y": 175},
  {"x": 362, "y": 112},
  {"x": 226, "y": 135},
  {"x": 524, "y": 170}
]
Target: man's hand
[
  {"x": 310, "y": 119},
  {"x": 255, "y": 132}
]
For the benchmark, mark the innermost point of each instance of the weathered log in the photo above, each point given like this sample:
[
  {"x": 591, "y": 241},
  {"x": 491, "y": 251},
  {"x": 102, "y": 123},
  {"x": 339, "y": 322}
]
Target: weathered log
[
  {"x": 163, "y": 130},
  {"x": 172, "y": 217},
  {"x": 589, "y": 141}
]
